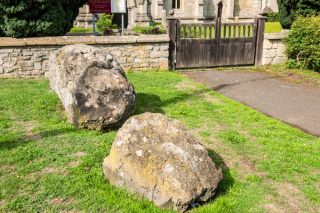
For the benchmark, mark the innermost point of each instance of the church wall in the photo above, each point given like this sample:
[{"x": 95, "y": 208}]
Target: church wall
[
  {"x": 191, "y": 11},
  {"x": 209, "y": 8},
  {"x": 244, "y": 8},
  {"x": 273, "y": 4}
]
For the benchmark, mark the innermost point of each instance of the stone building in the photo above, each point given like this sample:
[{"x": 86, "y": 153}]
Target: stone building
[
  {"x": 140, "y": 11},
  {"x": 145, "y": 11}
]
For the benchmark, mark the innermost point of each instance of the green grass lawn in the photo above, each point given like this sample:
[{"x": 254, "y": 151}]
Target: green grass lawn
[
  {"x": 76, "y": 30},
  {"x": 273, "y": 27},
  {"x": 46, "y": 164}
]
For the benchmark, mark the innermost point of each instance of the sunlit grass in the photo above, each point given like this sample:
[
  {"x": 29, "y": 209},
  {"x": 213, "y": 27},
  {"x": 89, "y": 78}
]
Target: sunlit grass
[{"x": 48, "y": 165}]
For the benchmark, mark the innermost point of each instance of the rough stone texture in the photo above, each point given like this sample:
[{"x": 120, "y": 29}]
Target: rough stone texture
[
  {"x": 92, "y": 86},
  {"x": 274, "y": 49},
  {"x": 84, "y": 19},
  {"x": 29, "y": 57},
  {"x": 159, "y": 159}
]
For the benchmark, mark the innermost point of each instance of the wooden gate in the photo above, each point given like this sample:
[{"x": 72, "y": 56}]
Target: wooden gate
[{"x": 215, "y": 44}]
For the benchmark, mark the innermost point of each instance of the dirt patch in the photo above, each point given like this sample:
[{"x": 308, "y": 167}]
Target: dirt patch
[
  {"x": 209, "y": 98},
  {"x": 59, "y": 201},
  {"x": 56, "y": 201},
  {"x": 79, "y": 154},
  {"x": 274, "y": 205},
  {"x": 2, "y": 203},
  {"x": 187, "y": 85},
  {"x": 294, "y": 198},
  {"x": 28, "y": 127},
  {"x": 74, "y": 164},
  {"x": 49, "y": 170},
  {"x": 192, "y": 87},
  {"x": 45, "y": 171},
  {"x": 77, "y": 162}
]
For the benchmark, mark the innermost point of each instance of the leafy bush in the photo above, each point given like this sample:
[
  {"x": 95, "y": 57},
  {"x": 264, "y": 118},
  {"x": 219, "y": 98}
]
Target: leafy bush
[
  {"x": 303, "y": 43},
  {"x": 154, "y": 28},
  {"x": 105, "y": 23},
  {"x": 273, "y": 17},
  {"x": 289, "y": 10},
  {"x": 25, "y": 18}
]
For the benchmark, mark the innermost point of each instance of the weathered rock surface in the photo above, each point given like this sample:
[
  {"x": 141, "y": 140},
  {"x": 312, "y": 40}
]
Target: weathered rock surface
[
  {"x": 159, "y": 159},
  {"x": 92, "y": 86}
]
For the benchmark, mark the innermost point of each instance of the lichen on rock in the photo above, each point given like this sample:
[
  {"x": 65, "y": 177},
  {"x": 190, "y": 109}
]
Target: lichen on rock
[
  {"x": 92, "y": 87},
  {"x": 159, "y": 159}
]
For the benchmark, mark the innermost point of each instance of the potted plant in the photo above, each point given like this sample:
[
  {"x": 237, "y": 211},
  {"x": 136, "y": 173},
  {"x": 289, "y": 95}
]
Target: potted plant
[{"x": 105, "y": 25}]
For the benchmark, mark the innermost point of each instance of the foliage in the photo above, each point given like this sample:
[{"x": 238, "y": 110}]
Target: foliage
[
  {"x": 48, "y": 165},
  {"x": 80, "y": 30},
  {"x": 303, "y": 43},
  {"x": 154, "y": 28},
  {"x": 105, "y": 23},
  {"x": 273, "y": 17},
  {"x": 25, "y": 18},
  {"x": 289, "y": 10},
  {"x": 273, "y": 27}
]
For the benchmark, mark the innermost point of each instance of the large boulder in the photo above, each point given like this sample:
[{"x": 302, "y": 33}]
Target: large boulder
[
  {"x": 159, "y": 159},
  {"x": 92, "y": 87}
]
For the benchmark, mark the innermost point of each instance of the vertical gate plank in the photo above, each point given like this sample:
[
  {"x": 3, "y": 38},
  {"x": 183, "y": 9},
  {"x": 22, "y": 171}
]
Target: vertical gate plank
[{"x": 259, "y": 43}]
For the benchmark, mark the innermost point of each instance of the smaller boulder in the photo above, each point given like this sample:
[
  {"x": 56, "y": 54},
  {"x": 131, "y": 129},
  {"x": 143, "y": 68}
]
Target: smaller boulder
[
  {"x": 92, "y": 87},
  {"x": 159, "y": 159}
]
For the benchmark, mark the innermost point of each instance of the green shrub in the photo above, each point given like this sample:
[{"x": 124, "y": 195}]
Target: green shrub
[
  {"x": 273, "y": 17},
  {"x": 105, "y": 23},
  {"x": 303, "y": 43},
  {"x": 289, "y": 10},
  {"x": 26, "y": 18},
  {"x": 154, "y": 28}
]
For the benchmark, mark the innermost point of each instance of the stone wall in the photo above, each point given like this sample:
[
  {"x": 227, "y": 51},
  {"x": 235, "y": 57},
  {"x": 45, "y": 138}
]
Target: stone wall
[
  {"x": 29, "y": 57},
  {"x": 274, "y": 48}
]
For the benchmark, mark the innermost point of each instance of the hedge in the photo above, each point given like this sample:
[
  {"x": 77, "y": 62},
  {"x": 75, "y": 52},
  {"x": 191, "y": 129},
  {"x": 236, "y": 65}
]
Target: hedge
[
  {"x": 303, "y": 43},
  {"x": 289, "y": 10},
  {"x": 26, "y": 18}
]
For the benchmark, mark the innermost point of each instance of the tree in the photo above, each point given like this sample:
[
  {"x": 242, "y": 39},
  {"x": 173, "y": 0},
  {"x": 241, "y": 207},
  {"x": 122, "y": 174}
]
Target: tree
[
  {"x": 289, "y": 10},
  {"x": 27, "y": 18}
]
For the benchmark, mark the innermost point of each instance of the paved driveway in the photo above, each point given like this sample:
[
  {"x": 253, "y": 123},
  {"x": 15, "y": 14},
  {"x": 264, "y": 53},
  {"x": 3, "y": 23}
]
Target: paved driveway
[{"x": 296, "y": 104}]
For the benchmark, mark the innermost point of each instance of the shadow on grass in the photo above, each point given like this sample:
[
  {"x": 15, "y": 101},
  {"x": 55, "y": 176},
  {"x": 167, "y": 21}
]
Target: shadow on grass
[
  {"x": 13, "y": 143},
  {"x": 153, "y": 103},
  {"x": 25, "y": 140},
  {"x": 148, "y": 103},
  {"x": 227, "y": 181}
]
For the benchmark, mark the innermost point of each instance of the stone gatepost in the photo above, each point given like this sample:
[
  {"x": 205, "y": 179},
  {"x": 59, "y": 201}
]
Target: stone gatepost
[{"x": 84, "y": 18}]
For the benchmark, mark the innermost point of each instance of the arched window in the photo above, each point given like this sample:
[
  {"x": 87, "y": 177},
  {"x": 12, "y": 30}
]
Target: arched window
[
  {"x": 220, "y": 6},
  {"x": 176, "y": 4}
]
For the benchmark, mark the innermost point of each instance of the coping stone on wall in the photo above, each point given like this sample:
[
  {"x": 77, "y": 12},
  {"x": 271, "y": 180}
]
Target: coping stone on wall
[
  {"x": 91, "y": 40},
  {"x": 276, "y": 36}
]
